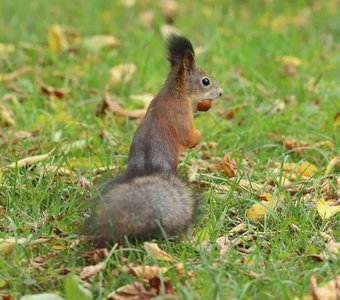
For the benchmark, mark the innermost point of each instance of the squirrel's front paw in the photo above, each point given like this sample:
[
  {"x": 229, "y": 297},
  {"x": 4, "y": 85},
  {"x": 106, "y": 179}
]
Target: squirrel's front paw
[{"x": 196, "y": 138}]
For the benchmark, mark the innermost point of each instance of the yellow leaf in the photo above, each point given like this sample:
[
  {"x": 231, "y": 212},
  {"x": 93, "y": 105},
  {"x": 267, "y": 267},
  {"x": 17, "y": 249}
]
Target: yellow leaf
[
  {"x": 291, "y": 60},
  {"x": 240, "y": 227},
  {"x": 335, "y": 161},
  {"x": 259, "y": 210},
  {"x": 303, "y": 168},
  {"x": 325, "y": 210},
  {"x": 336, "y": 122},
  {"x": 56, "y": 38},
  {"x": 155, "y": 252}
]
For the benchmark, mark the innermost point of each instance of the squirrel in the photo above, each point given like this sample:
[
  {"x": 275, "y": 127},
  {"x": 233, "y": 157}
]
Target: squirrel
[{"x": 149, "y": 199}]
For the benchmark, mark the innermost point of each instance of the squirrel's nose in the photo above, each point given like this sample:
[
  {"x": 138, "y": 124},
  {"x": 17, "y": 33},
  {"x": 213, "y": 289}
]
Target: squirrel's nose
[{"x": 220, "y": 92}]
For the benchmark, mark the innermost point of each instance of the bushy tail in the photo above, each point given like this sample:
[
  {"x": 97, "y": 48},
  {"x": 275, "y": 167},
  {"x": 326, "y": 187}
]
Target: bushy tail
[{"x": 143, "y": 207}]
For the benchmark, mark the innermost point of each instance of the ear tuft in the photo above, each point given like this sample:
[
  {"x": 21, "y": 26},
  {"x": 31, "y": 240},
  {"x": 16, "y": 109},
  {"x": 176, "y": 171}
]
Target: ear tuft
[{"x": 180, "y": 50}]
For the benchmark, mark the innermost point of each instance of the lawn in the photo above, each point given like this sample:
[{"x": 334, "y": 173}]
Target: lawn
[{"x": 270, "y": 145}]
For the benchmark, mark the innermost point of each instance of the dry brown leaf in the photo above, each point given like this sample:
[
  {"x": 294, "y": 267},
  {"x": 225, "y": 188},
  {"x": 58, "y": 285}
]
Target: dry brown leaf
[
  {"x": 259, "y": 210},
  {"x": 229, "y": 165},
  {"x": 110, "y": 106},
  {"x": 30, "y": 160},
  {"x": 224, "y": 245},
  {"x": 239, "y": 228},
  {"x": 8, "y": 245},
  {"x": 49, "y": 168},
  {"x": 16, "y": 74},
  {"x": 96, "y": 255},
  {"x": 51, "y": 91},
  {"x": 157, "y": 285},
  {"x": 148, "y": 272},
  {"x": 156, "y": 253},
  {"x": 244, "y": 183},
  {"x": 295, "y": 145},
  {"x": 326, "y": 210},
  {"x": 335, "y": 161},
  {"x": 133, "y": 291},
  {"x": 96, "y": 43},
  {"x": 90, "y": 271},
  {"x": 328, "y": 291},
  {"x": 121, "y": 73},
  {"x": 6, "y": 116}
]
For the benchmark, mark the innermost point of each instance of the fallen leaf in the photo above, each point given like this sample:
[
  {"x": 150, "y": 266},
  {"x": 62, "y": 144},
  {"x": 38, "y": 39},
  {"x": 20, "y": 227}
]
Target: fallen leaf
[
  {"x": 109, "y": 106},
  {"x": 259, "y": 210},
  {"x": 90, "y": 271},
  {"x": 30, "y": 160},
  {"x": 8, "y": 245},
  {"x": 96, "y": 255},
  {"x": 121, "y": 74},
  {"x": 157, "y": 285},
  {"x": 328, "y": 291},
  {"x": 61, "y": 38},
  {"x": 133, "y": 291},
  {"x": 239, "y": 228},
  {"x": 51, "y": 91},
  {"x": 326, "y": 210},
  {"x": 335, "y": 161},
  {"x": 298, "y": 146},
  {"x": 336, "y": 122},
  {"x": 56, "y": 38},
  {"x": 16, "y": 74},
  {"x": 6, "y": 116},
  {"x": 229, "y": 165},
  {"x": 277, "y": 106},
  {"x": 148, "y": 272},
  {"x": 224, "y": 245},
  {"x": 293, "y": 60},
  {"x": 156, "y": 253},
  {"x": 303, "y": 168},
  {"x": 98, "y": 42}
]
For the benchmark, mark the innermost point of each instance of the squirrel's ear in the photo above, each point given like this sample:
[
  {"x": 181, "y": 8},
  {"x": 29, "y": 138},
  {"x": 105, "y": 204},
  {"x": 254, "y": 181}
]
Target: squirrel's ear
[{"x": 189, "y": 60}]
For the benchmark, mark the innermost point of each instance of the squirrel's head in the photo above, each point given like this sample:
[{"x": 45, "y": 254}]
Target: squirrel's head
[{"x": 192, "y": 81}]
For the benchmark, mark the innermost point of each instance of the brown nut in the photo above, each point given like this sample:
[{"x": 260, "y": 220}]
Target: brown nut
[{"x": 204, "y": 105}]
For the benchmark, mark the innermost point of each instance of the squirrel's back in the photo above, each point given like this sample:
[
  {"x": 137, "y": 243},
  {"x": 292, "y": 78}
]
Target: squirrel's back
[{"x": 144, "y": 207}]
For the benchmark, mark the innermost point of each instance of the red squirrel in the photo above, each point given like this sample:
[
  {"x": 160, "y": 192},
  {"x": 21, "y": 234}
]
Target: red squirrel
[{"x": 149, "y": 199}]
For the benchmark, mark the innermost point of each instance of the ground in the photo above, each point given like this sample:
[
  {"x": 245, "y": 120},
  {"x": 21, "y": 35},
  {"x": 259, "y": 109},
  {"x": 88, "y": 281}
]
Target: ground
[{"x": 272, "y": 139}]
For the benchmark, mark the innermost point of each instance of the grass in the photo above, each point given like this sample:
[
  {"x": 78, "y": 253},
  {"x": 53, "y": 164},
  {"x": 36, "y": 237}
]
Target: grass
[{"x": 244, "y": 44}]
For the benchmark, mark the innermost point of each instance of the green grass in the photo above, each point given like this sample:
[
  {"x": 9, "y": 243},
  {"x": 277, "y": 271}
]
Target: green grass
[{"x": 243, "y": 42}]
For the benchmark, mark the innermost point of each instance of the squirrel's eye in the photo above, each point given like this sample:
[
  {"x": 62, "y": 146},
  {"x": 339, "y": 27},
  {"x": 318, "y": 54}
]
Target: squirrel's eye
[{"x": 205, "y": 81}]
